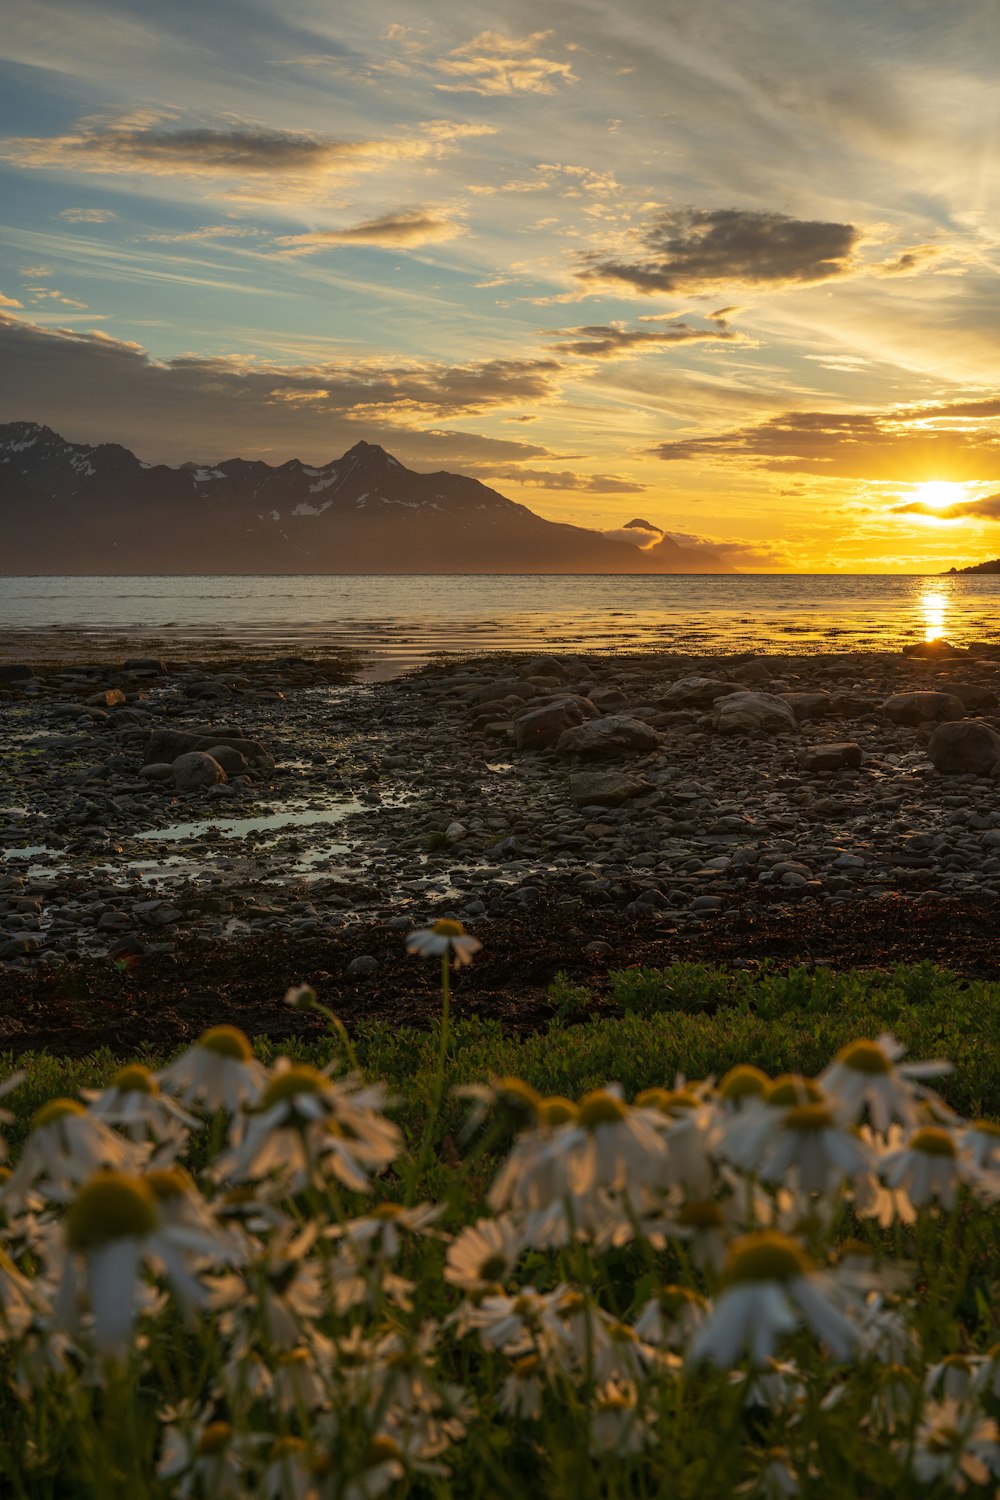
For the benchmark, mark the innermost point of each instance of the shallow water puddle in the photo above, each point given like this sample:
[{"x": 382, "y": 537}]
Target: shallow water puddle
[{"x": 237, "y": 828}]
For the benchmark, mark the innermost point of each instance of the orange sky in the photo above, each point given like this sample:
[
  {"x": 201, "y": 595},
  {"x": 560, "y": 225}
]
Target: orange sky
[{"x": 728, "y": 268}]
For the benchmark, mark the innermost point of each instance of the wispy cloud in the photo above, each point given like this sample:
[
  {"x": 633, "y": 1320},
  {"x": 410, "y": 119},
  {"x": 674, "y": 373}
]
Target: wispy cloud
[
  {"x": 565, "y": 479},
  {"x": 9, "y": 301},
  {"x": 88, "y": 215},
  {"x": 618, "y": 341},
  {"x": 493, "y": 63},
  {"x": 405, "y": 229},
  {"x": 205, "y": 232},
  {"x": 987, "y": 509}
]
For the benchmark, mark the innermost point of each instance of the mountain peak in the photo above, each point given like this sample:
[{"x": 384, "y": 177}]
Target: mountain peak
[{"x": 371, "y": 453}]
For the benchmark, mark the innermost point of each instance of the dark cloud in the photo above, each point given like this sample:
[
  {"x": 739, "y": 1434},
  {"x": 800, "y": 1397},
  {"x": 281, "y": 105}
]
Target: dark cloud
[
  {"x": 987, "y": 509},
  {"x": 144, "y": 145},
  {"x": 407, "y": 228},
  {"x": 565, "y": 479},
  {"x": 696, "y": 249},
  {"x": 615, "y": 341},
  {"x": 901, "y": 444},
  {"x": 94, "y": 388}
]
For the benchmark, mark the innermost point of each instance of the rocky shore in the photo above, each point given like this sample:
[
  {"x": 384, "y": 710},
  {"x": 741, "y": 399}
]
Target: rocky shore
[{"x": 154, "y": 811}]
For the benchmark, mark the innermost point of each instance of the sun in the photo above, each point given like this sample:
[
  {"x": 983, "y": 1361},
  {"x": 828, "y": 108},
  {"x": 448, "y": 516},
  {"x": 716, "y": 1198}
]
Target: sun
[{"x": 938, "y": 494}]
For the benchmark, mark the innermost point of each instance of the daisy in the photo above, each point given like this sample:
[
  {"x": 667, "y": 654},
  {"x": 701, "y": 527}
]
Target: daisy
[
  {"x": 298, "y": 1381},
  {"x": 133, "y": 1101},
  {"x": 483, "y": 1254},
  {"x": 774, "y": 1480},
  {"x": 746, "y": 1136},
  {"x": 616, "y": 1424},
  {"x": 523, "y": 1389},
  {"x": 207, "y": 1460},
  {"x": 67, "y": 1145},
  {"x": 19, "y": 1299},
  {"x": 381, "y": 1469},
  {"x": 981, "y": 1139},
  {"x": 218, "y": 1072},
  {"x": 287, "y": 1474},
  {"x": 864, "y": 1075},
  {"x": 895, "y": 1399},
  {"x": 955, "y": 1445},
  {"x": 770, "y": 1288},
  {"x": 111, "y": 1226},
  {"x": 814, "y": 1149},
  {"x": 686, "y": 1125},
  {"x": 525, "y": 1323},
  {"x": 740, "y": 1086},
  {"x": 929, "y": 1167},
  {"x": 673, "y": 1317},
  {"x": 444, "y": 937}
]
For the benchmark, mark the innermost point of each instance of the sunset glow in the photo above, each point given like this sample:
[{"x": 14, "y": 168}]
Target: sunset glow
[{"x": 617, "y": 262}]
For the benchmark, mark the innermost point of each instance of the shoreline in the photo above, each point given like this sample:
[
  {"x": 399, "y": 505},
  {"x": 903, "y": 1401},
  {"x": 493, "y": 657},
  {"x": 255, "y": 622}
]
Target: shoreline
[{"x": 373, "y": 808}]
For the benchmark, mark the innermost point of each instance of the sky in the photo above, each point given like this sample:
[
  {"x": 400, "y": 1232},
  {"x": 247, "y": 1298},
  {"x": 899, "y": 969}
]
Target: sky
[{"x": 730, "y": 268}]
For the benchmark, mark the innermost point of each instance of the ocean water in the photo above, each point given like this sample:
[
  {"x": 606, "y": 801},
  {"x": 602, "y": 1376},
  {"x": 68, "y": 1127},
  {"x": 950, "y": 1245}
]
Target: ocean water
[{"x": 398, "y": 622}]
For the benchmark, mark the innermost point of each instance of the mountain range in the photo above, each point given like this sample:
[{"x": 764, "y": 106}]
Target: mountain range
[{"x": 70, "y": 508}]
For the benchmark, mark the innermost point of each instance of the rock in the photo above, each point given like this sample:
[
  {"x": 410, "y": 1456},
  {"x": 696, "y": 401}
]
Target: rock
[
  {"x": 129, "y": 945},
  {"x": 195, "y": 770},
  {"x": 966, "y": 748},
  {"x": 751, "y": 671},
  {"x": 15, "y": 674},
  {"x": 807, "y": 705},
  {"x": 753, "y": 713},
  {"x": 838, "y": 756},
  {"x": 605, "y": 788},
  {"x": 977, "y": 700},
  {"x": 693, "y": 692},
  {"x": 232, "y": 761},
  {"x": 146, "y": 664},
  {"x": 158, "y": 771},
  {"x": 494, "y": 692},
  {"x": 108, "y": 698},
  {"x": 455, "y": 832},
  {"x": 365, "y": 963},
  {"x": 609, "y": 700},
  {"x": 608, "y": 738},
  {"x": 167, "y": 744},
  {"x": 541, "y": 727},
  {"x": 923, "y": 707},
  {"x": 934, "y": 649}
]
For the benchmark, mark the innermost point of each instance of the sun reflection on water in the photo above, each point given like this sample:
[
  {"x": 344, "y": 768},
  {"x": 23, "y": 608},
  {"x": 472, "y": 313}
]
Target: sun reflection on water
[{"x": 934, "y": 607}]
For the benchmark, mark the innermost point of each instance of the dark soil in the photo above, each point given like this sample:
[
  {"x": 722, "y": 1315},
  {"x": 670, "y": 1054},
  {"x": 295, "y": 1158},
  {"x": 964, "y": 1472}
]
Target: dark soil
[{"x": 162, "y": 1002}]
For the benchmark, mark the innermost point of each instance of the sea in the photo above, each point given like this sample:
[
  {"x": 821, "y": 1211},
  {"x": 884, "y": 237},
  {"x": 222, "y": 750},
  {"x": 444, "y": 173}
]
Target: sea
[{"x": 395, "y": 623}]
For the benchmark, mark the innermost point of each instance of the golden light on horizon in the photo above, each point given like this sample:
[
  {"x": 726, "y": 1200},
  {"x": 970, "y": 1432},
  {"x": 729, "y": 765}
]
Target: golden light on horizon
[
  {"x": 939, "y": 493},
  {"x": 934, "y": 607}
]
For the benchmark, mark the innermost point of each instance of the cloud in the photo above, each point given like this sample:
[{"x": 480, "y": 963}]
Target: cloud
[
  {"x": 206, "y": 232},
  {"x": 901, "y": 444},
  {"x": 88, "y": 215},
  {"x": 9, "y": 301},
  {"x": 277, "y": 158},
  {"x": 493, "y": 64},
  {"x": 92, "y": 387},
  {"x": 698, "y": 249},
  {"x": 405, "y": 229},
  {"x": 640, "y": 536},
  {"x": 564, "y": 479},
  {"x": 616, "y": 341},
  {"x": 987, "y": 509}
]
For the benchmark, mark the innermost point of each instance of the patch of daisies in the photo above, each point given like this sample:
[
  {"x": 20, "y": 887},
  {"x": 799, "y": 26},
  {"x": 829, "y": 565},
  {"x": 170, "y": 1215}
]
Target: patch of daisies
[{"x": 777, "y": 1274}]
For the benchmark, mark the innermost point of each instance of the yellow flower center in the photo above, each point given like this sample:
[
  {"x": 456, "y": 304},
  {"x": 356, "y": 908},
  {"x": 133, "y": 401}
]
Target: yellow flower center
[
  {"x": 792, "y": 1088},
  {"x": 381, "y": 1450},
  {"x": 527, "y": 1365},
  {"x": 169, "y": 1183},
  {"x": 677, "y": 1299},
  {"x": 493, "y": 1268},
  {"x": 294, "y": 1357},
  {"x": 743, "y": 1082},
  {"x": 55, "y": 1110},
  {"x": 612, "y": 1400},
  {"x": 767, "y": 1256},
  {"x": 621, "y": 1333},
  {"x": 285, "y": 1447},
  {"x": 986, "y": 1127},
  {"x": 933, "y": 1141},
  {"x": 519, "y": 1098},
  {"x": 227, "y": 1041},
  {"x": 448, "y": 928},
  {"x": 135, "y": 1079},
  {"x": 556, "y": 1110},
  {"x": 865, "y": 1057},
  {"x": 301, "y": 1079},
  {"x": 601, "y": 1108},
  {"x": 387, "y": 1211},
  {"x": 667, "y": 1101},
  {"x": 214, "y": 1439},
  {"x": 704, "y": 1214},
  {"x": 808, "y": 1117},
  {"x": 111, "y": 1206}
]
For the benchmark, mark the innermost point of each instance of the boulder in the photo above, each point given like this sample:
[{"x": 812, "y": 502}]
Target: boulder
[
  {"x": 604, "y": 739},
  {"x": 494, "y": 692},
  {"x": 605, "y": 788},
  {"x": 753, "y": 713},
  {"x": 969, "y": 747},
  {"x": 167, "y": 744},
  {"x": 232, "y": 761},
  {"x": 609, "y": 700},
  {"x": 839, "y": 756},
  {"x": 751, "y": 671},
  {"x": 540, "y": 727},
  {"x": 145, "y": 664},
  {"x": 922, "y": 708},
  {"x": 107, "y": 698},
  {"x": 195, "y": 770},
  {"x": 15, "y": 674},
  {"x": 977, "y": 700},
  {"x": 693, "y": 692},
  {"x": 807, "y": 705}
]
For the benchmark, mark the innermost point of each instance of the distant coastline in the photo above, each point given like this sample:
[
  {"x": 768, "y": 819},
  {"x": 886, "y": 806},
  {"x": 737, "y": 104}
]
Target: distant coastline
[{"x": 993, "y": 566}]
